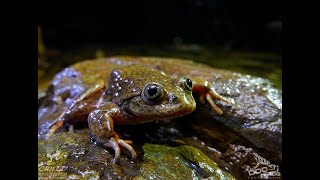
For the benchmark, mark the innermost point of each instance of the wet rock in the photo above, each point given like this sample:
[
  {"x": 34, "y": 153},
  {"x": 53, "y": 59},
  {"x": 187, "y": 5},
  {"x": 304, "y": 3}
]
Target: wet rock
[
  {"x": 252, "y": 125},
  {"x": 72, "y": 155},
  {"x": 183, "y": 162},
  {"x": 256, "y": 115}
]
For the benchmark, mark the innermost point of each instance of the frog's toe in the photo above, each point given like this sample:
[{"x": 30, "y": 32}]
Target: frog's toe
[
  {"x": 115, "y": 143},
  {"x": 112, "y": 143},
  {"x": 214, "y": 94},
  {"x": 54, "y": 127},
  {"x": 128, "y": 142},
  {"x": 213, "y": 104},
  {"x": 125, "y": 144}
]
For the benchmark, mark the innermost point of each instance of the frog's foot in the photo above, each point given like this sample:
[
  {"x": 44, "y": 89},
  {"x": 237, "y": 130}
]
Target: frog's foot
[
  {"x": 115, "y": 143},
  {"x": 54, "y": 126},
  {"x": 209, "y": 96},
  {"x": 101, "y": 122}
]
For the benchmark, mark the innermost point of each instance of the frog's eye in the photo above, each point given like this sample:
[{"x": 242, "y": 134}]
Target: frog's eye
[
  {"x": 152, "y": 92},
  {"x": 187, "y": 84}
]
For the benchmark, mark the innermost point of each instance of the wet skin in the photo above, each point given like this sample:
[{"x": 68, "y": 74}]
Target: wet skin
[{"x": 134, "y": 94}]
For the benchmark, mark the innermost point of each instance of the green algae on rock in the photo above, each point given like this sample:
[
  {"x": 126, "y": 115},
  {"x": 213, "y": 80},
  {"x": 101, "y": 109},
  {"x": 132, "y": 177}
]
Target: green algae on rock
[
  {"x": 183, "y": 162},
  {"x": 71, "y": 155}
]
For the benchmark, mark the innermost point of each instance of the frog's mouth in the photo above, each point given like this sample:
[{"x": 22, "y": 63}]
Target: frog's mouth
[{"x": 146, "y": 113}]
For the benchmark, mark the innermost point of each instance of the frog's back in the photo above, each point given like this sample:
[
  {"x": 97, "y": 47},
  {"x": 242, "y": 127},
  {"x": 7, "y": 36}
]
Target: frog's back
[
  {"x": 102, "y": 68},
  {"x": 91, "y": 71}
]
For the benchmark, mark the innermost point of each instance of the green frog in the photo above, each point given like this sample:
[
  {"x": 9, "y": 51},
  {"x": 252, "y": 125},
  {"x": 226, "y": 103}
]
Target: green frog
[{"x": 130, "y": 94}]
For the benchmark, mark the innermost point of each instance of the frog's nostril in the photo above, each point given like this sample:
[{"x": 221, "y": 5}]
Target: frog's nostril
[{"x": 172, "y": 97}]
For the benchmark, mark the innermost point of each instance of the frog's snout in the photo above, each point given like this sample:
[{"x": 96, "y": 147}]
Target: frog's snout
[{"x": 172, "y": 97}]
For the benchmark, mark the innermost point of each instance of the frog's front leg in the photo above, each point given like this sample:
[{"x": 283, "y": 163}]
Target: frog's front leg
[
  {"x": 101, "y": 124},
  {"x": 207, "y": 91}
]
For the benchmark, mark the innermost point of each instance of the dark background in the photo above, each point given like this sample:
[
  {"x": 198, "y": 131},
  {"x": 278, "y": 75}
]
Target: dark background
[{"x": 237, "y": 25}]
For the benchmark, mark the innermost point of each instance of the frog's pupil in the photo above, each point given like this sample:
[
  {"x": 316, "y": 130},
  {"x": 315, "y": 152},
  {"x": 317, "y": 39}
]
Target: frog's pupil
[
  {"x": 152, "y": 90},
  {"x": 189, "y": 82}
]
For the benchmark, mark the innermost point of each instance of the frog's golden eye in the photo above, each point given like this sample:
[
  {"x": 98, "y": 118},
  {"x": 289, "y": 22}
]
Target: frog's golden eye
[
  {"x": 152, "y": 92},
  {"x": 187, "y": 84}
]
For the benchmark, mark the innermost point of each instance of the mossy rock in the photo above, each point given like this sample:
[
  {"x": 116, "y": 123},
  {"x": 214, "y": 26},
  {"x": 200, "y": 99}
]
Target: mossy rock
[{"x": 183, "y": 162}]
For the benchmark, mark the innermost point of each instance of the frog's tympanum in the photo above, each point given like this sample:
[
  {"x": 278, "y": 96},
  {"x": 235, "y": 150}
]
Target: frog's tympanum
[{"x": 131, "y": 95}]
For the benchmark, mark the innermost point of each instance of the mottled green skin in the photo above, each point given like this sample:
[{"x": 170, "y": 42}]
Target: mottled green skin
[
  {"x": 125, "y": 89},
  {"x": 123, "y": 78}
]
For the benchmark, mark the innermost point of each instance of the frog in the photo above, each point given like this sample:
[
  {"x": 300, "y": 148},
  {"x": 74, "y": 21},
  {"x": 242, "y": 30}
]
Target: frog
[{"x": 132, "y": 94}]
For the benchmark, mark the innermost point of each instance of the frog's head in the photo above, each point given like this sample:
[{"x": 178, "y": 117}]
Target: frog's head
[{"x": 164, "y": 101}]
